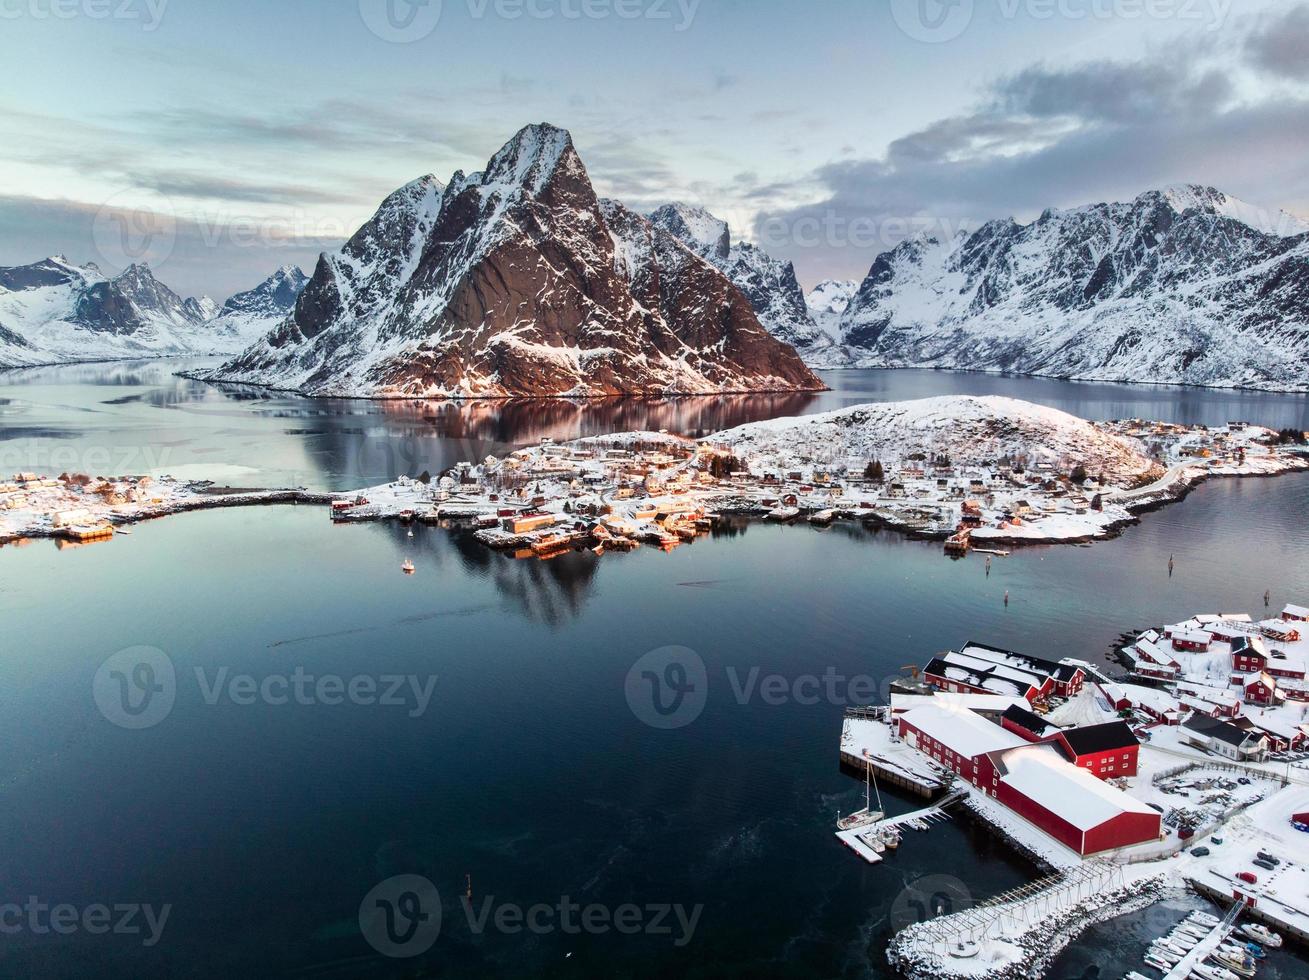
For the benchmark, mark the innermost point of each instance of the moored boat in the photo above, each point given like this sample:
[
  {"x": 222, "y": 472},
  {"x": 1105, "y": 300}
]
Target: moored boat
[
  {"x": 1234, "y": 959},
  {"x": 407, "y": 567},
  {"x": 1261, "y": 934},
  {"x": 1211, "y": 971}
]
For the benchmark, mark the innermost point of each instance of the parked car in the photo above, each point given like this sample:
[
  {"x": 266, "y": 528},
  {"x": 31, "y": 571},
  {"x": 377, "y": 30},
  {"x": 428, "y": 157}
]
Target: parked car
[
  {"x": 1199, "y": 852},
  {"x": 1243, "y": 781},
  {"x": 1265, "y": 856},
  {"x": 1249, "y": 877},
  {"x": 1216, "y": 840},
  {"x": 1266, "y": 865}
]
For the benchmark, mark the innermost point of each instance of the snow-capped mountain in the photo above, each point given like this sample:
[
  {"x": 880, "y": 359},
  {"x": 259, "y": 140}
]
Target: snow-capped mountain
[
  {"x": 53, "y": 311},
  {"x": 827, "y": 303},
  {"x": 248, "y": 315},
  {"x": 973, "y": 431},
  {"x": 1185, "y": 285},
  {"x": 768, "y": 283},
  {"x": 516, "y": 280}
]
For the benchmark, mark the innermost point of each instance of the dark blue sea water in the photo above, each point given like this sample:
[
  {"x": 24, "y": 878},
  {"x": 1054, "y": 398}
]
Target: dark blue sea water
[{"x": 263, "y": 823}]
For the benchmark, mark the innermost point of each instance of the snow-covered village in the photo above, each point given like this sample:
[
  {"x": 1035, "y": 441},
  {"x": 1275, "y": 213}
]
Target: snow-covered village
[
  {"x": 1192, "y": 773},
  {"x": 974, "y": 472}
]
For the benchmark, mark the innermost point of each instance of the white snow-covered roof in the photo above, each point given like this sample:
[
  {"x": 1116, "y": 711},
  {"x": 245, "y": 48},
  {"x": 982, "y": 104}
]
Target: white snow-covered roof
[
  {"x": 974, "y": 702},
  {"x": 1149, "y": 697},
  {"x": 1293, "y": 610},
  {"x": 1041, "y": 774},
  {"x": 961, "y": 731},
  {"x": 1084, "y": 709}
]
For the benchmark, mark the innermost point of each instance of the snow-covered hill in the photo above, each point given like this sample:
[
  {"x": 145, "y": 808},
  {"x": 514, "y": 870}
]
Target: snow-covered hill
[
  {"x": 972, "y": 431},
  {"x": 517, "y": 280},
  {"x": 53, "y": 311},
  {"x": 248, "y": 315},
  {"x": 1186, "y": 285}
]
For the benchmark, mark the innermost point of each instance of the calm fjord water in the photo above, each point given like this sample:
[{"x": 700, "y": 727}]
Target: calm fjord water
[{"x": 264, "y": 825}]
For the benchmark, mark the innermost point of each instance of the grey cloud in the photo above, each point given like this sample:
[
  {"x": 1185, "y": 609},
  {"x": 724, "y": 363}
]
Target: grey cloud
[{"x": 1281, "y": 45}]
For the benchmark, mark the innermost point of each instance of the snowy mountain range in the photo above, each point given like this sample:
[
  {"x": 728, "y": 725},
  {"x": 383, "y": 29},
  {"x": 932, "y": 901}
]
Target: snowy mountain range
[
  {"x": 1185, "y": 285},
  {"x": 249, "y": 315},
  {"x": 53, "y": 311},
  {"x": 517, "y": 280}
]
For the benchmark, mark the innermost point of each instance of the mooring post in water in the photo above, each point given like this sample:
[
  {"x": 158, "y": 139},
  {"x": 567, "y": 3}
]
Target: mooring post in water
[{"x": 1006, "y": 597}]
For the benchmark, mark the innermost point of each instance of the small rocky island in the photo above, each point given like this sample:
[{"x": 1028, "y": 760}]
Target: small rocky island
[{"x": 971, "y": 471}]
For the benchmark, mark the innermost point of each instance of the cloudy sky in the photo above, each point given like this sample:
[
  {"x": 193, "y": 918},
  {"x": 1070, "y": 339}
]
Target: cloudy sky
[{"x": 220, "y": 140}]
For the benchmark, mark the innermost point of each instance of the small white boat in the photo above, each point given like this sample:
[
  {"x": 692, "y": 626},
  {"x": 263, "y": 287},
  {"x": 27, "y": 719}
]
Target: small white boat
[
  {"x": 411, "y": 532},
  {"x": 1210, "y": 971},
  {"x": 1166, "y": 953},
  {"x": 1234, "y": 960},
  {"x": 866, "y": 816},
  {"x": 407, "y": 567},
  {"x": 1261, "y": 935},
  {"x": 1133, "y": 975},
  {"x": 1194, "y": 931},
  {"x": 122, "y": 530},
  {"x": 1204, "y": 919},
  {"x": 1163, "y": 966}
]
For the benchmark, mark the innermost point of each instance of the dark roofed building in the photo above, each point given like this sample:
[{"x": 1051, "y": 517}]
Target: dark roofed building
[
  {"x": 1108, "y": 751},
  {"x": 1026, "y": 724},
  {"x": 1224, "y": 738}
]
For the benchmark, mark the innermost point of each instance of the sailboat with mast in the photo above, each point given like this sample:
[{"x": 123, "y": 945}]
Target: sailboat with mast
[{"x": 866, "y": 816}]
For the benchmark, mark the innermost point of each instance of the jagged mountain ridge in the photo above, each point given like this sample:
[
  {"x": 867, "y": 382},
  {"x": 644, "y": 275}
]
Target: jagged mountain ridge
[
  {"x": 1185, "y": 285},
  {"x": 770, "y": 284},
  {"x": 248, "y": 315},
  {"x": 516, "y": 280},
  {"x": 53, "y": 311}
]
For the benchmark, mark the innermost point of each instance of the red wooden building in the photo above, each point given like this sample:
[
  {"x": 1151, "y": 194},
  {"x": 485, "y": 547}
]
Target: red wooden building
[{"x": 1066, "y": 802}]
